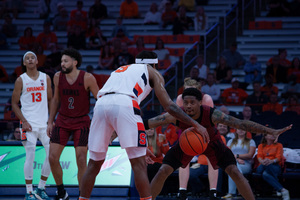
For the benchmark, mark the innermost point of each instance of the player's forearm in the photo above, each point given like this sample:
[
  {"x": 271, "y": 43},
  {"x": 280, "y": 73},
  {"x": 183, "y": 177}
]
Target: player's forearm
[
  {"x": 179, "y": 114},
  {"x": 18, "y": 112},
  {"x": 252, "y": 127}
]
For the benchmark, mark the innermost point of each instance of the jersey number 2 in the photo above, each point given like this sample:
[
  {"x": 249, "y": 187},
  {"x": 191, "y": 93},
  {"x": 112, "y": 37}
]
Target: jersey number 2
[{"x": 36, "y": 97}]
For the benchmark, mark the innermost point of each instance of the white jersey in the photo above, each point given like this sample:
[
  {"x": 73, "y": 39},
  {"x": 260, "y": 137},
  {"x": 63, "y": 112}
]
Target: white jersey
[
  {"x": 34, "y": 100},
  {"x": 132, "y": 80}
]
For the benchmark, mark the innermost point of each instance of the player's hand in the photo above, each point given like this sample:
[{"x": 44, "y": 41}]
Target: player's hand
[
  {"x": 280, "y": 131},
  {"x": 202, "y": 131},
  {"x": 49, "y": 129},
  {"x": 149, "y": 157},
  {"x": 26, "y": 126}
]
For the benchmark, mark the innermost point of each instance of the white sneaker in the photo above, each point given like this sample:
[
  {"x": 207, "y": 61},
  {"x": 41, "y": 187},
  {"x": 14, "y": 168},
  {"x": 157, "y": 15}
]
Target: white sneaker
[{"x": 285, "y": 194}]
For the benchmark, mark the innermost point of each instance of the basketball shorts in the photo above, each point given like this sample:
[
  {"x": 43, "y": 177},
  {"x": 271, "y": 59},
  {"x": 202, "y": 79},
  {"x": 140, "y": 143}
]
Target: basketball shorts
[
  {"x": 65, "y": 127},
  {"x": 218, "y": 154},
  {"x": 117, "y": 112},
  {"x": 36, "y": 133}
]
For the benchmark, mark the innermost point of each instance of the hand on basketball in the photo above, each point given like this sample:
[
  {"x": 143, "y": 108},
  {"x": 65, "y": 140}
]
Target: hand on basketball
[{"x": 202, "y": 131}]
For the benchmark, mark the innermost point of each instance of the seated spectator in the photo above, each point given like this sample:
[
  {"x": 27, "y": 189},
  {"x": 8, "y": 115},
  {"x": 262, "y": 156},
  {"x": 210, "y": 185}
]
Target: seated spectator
[
  {"x": 200, "y": 19},
  {"x": 234, "y": 59},
  {"x": 203, "y": 69},
  {"x": 291, "y": 88},
  {"x": 106, "y": 58},
  {"x": 39, "y": 51},
  {"x": 3, "y": 42},
  {"x": 223, "y": 72},
  {"x": 79, "y": 6},
  {"x": 140, "y": 46},
  {"x": 46, "y": 8},
  {"x": 47, "y": 39},
  {"x": 211, "y": 88},
  {"x": 293, "y": 104},
  {"x": 26, "y": 42},
  {"x": 97, "y": 40},
  {"x": 15, "y": 136},
  {"x": 119, "y": 25},
  {"x": 124, "y": 57},
  {"x": 77, "y": 20},
  {"x": 159, "y": 147},
  {"x": 60, "y": 21},
  {"x": 8, "y": 27},
  {"x": 188, "y": 4},
  {"x": 283, "y": 61},
  {"x": 252, "y": 69},
  {"x": 257, "y": 99},
  {"x": 115, "y": 46},
  {"x": 273, "y": 105},
  {"x": 129, "y": 9},
  {"x": 121, "y": 35},
  {"x": 194, "y": 74},
  {"x": 234, "y": 95},
  {"x": 269, "y": 87},
  {"x": 161, "y": 51},
  {"x": 168, "y": 15},
  {"x": 48, "y": 67},
  {"x": 98, "y": 11},
  {"x": 224, "y": 130},
  {"x": 295, "y": 68},
  {"x": 13, "y": 6},
  {"x": 3, "y": 75},
  {"x": 270, "y": 158},
  {"x": 278, "y": 72},
  {"x": 76, "y": 38},
  {"x": 243, "y": 149},
  {"x": 168, "y": 131},
  {"x": 182, "y": 22},
  {"x": 278, "y": 8},
  {"x": 153, "y": 16}
]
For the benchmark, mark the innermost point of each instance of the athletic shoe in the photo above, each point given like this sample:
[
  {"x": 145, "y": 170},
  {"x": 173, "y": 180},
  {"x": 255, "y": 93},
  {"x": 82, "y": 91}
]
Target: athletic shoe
[
  {"x": 41, "y": 194},
  {"x": 65, "y": 197},
  {"x": 182, "y": 195},
  {"x": 227, "y": 196},
  {"x": 29, "y": 196},
  {"x": 285, "y": 194}
]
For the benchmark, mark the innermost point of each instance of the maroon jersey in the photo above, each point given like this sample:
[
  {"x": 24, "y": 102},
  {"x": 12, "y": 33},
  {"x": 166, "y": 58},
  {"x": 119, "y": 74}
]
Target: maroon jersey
[{"x": 75, "y": 100}]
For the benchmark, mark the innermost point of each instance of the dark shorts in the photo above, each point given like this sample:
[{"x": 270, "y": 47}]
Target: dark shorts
[
  {"x": 77, "y": 127},
  {"x": 219, "y": 155}
]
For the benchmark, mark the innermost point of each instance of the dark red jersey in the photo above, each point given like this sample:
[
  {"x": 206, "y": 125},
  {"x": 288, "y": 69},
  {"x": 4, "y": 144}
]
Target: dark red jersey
[{"x": 75, "y": 100}]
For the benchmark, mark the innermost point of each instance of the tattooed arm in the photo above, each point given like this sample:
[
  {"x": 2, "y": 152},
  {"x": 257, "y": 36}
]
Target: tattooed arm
[
  {"x": 161, "y": 120},
  {"x": 220, "y": 117}
]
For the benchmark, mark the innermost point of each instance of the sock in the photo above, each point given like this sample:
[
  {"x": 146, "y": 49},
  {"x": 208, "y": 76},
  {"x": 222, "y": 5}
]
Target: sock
[
  {"x": 182, "y": 193},
  {"x": 61, "y": 190},
  {"x": 146, "y": 198},
  {"x": 83, "y": 198},
  {"x": 42, "y": 184},
  {"x": 29, "y": 188},
  {"x": 181, "y": 188},
  {"x": 213, "y": 192}
]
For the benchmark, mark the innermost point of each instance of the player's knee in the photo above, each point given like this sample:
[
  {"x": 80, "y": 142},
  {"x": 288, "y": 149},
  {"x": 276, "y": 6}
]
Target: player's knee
[
  {"x": 53, "y": 158},
  {"x": 164, "y": 171},
  {"x": 233, "y": 171},
  {"x": 135, "y": 152},
  {"x": 97, "y": 156}
]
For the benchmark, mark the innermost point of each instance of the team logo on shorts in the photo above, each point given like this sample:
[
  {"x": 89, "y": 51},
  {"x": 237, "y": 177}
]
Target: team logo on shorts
[{"x": 142, "y": 137}]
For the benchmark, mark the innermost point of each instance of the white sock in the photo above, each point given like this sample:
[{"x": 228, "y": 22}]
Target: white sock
[
  {"x": 29, "y": 188},
  {"x": 42, "y": 184}
]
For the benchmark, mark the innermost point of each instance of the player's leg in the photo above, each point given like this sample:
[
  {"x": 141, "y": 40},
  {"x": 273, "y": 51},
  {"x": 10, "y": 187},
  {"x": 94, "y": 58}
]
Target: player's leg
[
  {"x": 89, "y": 176},
  {"x": 240, "y": 181},
  {"x": 213, "y": 180},
  {"x": 184, "y": 174},
  {"x": 81, "y": 160},
  {"x": 136, "y": 157}
]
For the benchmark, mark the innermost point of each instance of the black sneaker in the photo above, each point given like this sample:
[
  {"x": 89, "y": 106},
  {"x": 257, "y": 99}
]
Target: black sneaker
[
  {"x": 182, "y": 195},
  {"x": 65, "y": 197}
]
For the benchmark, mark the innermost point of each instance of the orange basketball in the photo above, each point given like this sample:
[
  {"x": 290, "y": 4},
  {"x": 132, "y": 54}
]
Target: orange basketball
[{"x": 191, "y": 142}]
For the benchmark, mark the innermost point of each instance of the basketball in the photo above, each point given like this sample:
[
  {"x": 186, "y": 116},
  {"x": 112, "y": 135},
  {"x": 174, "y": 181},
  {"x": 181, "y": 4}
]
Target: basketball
[{"x": 191, "y": 142}]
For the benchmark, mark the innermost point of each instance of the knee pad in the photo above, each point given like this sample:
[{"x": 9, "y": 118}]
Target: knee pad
[
  {"x": 46, "y": 165},
  {"x": 28, "y": 165},
  {"x": 97, "y": 156},
  {"x": 135, "y": 152}
]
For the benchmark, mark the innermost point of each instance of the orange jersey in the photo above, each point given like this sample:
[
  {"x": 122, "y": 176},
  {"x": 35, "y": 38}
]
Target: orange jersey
[
  {"x": 273, "y": 107},
  {"x": 170, "y": 132},
  {"x": 270, "y": 151},
  {"x": 234, "y": 96}
]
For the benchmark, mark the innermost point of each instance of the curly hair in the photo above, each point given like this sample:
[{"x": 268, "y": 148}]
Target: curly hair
[{"x": 73, "y": 53}]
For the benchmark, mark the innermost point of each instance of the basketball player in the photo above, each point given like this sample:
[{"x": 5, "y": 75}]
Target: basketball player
[
  {"x": 184, "y": 173},
  {"x": 33, "y": 90},
  {"x": 72, "y": 89},
  {"x": 217, "y": 152},
  {"x": 117, "y": 108}
]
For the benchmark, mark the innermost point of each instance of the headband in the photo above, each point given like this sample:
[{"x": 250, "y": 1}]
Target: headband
[
  {"x": 28, "y": 52},
  {"x": 146, "y": 60}
]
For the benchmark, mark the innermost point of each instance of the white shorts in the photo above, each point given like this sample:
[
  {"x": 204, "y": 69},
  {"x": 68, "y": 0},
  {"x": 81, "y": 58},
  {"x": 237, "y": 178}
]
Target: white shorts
[
  {"x": 120, "y": 113},
  {"x": 37, "y": 133}
]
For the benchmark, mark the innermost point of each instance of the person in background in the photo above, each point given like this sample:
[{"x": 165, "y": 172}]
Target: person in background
[
  {"x": 168, "y": 131},
  {"x": 33, "y": 90},
  {"x": 162, "y": 52},
  {"x": 295, "y": 68},
  {"x": 76, "y": 38},
  {"x": 60, "y": 21},
  {"x": 119, "y": 25},
  {"x": 283, "y": 61},
  {"x": 234, "y": 94},
  {"x": 79, "y": 6},
  {"x": 129, "y": 9},
  {"x": 293, "y": 104},
  {"x": 200, "y": 19},
  {"x": 168, "y": 15},
  {"x": 26, "y": 42},
  {"x": 211, "y": 88},
  {"x": 223, "y": 72},
  {"x": 269, "y": 87},
  {"x": 8, "y": 27},
  {"x": 98, "y": 11},
  {"x": 203, "y": 69},
  {"x": 234, "y": 59},
  {"x": 273, "y": 105},
  {"x": 97, "y": 40},
  {"x": 47, "y": 38},
  {"x": 252, "y": 69},
  {"x": 139, "y": 47},
  {"x": 257, "y": 99},
  {"x": 106, "y": 58},
  {"x": 277, "y": 71},
  {"x": 182, "y": 22},
  {"x": 16, "y": 135},
  {"x": 270, "y": 158},
  {"x": 4, "y": 78},
  {"x": 124, "y": 57},
  {"x": 243, "y": 149},
  {"x": 153, "y": 16},
  {"x": 291, "y": 88}
]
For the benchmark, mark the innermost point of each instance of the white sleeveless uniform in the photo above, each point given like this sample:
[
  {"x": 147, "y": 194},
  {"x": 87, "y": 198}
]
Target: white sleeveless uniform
[
  {"x": 117, "y": 108},
  {"x": 34, "y": 104}
]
